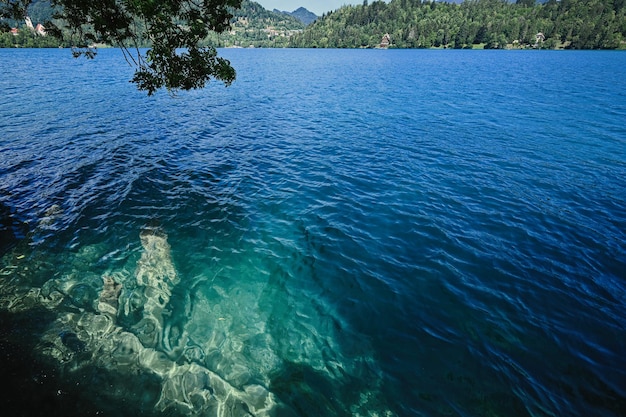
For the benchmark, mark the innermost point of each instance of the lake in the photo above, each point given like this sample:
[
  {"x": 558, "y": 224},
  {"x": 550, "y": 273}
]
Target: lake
[{"x": 339, "y": 233}]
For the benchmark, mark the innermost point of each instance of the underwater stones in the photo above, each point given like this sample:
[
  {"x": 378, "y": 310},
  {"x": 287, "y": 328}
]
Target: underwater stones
[
  {"x": 98, "y": 325},
  {"x": 86, "y": 257},
  {"x": 53, "y": 210},
  {"x": 70, "y": 292},
  {"x": 153, "y": 228},
  {"x": 90, "y": 254},
  {"x": 236, "y": 408},
  {"x": 213, "y": 358},
  {"x": 24, "y": 301},
  {"x": 174, "y": 339},
  {"x": 260, "y": 398},
  {"x": 57, "y": 352},
  {"x": 238, "y": 374},
  {"x": 108, "y": 302},
  {"x": 183, "y": 385},
  {"x": 127, "y": 349},
  {"x": 155, "y": 267},
  {"x": 195, "y": 390},
  {"x": 132, "y": 304},
  {"x": 81, "y": 296},
  {"x": 148, "y": 331},
  {"x": 230, "y": 366},
  {"x": 155, "y": 278},
  {"x": 156, "y": 299},
  {"x": 50, "y": 215},
  {"x": 48, "y": 288},
  {"x": 193, "y": 353},
  {"x": 135, "y": 333},
  {"x": 157, "y": 362},
  {"x": 50, "y": 294},
  {"x": 72, "y": 342},
  {"x": 260, "y": 351},
  {"x": 17, "y": 299}
]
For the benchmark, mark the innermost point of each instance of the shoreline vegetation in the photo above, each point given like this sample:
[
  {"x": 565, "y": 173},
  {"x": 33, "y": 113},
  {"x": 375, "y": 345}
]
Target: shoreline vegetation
[
  {"x": 472, "y": 24},
  {"x": 403, "y": 24}
]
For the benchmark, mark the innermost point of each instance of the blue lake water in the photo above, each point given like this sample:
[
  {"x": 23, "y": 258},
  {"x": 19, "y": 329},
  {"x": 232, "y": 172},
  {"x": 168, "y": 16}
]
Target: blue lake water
[{"x": 340, "y": 232}]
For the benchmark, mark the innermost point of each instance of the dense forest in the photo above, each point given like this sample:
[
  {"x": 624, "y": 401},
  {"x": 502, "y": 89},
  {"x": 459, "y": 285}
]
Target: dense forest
[{"x": 575, "y": 24}]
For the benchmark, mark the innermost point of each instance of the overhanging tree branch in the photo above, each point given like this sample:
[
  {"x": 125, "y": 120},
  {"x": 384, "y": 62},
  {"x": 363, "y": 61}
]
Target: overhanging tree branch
[{"x": 174, "y": 30}]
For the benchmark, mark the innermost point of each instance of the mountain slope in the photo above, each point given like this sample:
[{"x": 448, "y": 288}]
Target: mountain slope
[
  {"x": 253, "y": 25},
  {"x": 575, "y": 24},
  {"x": 302, "y": 14}
]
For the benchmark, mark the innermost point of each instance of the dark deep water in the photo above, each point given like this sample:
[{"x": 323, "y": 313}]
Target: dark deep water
[{"x": 366, "y": 233}]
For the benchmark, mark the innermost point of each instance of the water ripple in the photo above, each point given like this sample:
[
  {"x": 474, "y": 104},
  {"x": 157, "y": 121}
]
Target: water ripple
[{"x": 450, "y": 242}]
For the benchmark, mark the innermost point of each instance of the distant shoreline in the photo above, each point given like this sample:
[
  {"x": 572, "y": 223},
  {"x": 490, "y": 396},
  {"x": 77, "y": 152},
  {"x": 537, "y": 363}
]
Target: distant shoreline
[{"x": 473, "y": 48}]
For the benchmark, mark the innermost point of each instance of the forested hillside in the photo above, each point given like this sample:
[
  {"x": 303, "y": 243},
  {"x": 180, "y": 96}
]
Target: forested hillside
[
  {"x": 576, "y": 24},
  {"x": 253, "y": 25}
]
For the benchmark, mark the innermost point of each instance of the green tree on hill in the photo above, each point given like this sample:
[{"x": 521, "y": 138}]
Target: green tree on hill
[
  {"x": 576, "y": 24},
  {"x": 174, "y": 29}
]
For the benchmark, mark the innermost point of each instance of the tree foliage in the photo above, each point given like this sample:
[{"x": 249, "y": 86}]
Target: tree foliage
[
  {"x": 174, "y": 30},
  {"x": 576, "y": 24},
  {"x": 26, "y": 39}
]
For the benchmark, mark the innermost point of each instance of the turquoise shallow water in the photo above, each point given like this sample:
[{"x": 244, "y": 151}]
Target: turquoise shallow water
[{"x": 389, "y": 233}]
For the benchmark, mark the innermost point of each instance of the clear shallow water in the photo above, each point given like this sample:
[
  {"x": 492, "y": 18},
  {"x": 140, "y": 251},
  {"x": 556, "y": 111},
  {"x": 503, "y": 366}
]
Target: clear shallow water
[{"x": 339, "y": 233}]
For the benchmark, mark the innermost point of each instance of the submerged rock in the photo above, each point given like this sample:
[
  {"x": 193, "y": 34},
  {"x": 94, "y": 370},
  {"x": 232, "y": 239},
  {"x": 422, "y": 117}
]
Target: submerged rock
[
  {"x": 155, "y": 278},
  {"x": 82, "y": 296},
  {"x": 72, "y": 342},
  {"x": 84, "y": 339},
  {"x": 194, "y": 389},
  {"x": 108, "y": 302},
  {"x": 50, "y": 215}
]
